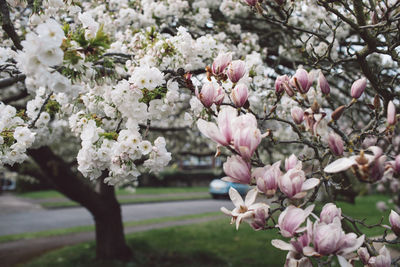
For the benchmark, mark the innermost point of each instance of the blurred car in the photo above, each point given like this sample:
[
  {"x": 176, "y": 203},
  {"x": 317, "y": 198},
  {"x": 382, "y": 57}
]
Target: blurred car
[{"x": 220, "y": 189}]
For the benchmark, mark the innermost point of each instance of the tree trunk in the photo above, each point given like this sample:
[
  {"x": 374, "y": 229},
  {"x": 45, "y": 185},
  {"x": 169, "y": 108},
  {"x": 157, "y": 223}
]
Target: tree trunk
[{"x": 103, "y": 205}]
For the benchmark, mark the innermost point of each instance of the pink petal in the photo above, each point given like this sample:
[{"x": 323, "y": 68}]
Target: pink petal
[
  {"x": 211, "y": 131},
  {"x": 343, "y": 262}
]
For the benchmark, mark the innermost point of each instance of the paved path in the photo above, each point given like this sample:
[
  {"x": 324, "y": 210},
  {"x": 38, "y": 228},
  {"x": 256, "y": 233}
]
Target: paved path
[
  {"x": 16, "y": 252},
  {"x": 34, "y": 220}
]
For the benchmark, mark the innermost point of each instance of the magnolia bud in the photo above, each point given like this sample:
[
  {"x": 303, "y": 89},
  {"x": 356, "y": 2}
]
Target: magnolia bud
[
  {"x": 335, "y": 143},
  {"x": 300, "y": 81},
  {"x": 221, "y": 62},
  {"x": 323, "y": 84},
  {"x": 236, "y": 70},
  {"x": 363, "y": 254},
  {"x": 358, "y": 87},
  {"x": 251, "y": 2},
  {"x": 206, "y": 95},
  {"x": 330, "y": 211},
  {"x": 280, "y": 80},
  {"x": 297, "y": 115},
  {"x": 219, "y": 96},
  {"x": 240, "y": 94},
  {"x": 394, "y": 220},
  {"x": 338, "y": 113},
  {"x": 391, "y": 113}
]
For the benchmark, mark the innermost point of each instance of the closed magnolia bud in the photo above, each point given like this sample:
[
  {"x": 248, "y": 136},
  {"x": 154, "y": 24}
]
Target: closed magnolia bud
[
  {"x": 391, "y": 113},
  {"x": 220, "y": 63},
  {"x": 301, "y": 81},
  {"x": 279, "y": 81},
  {"x": 358, "y": 87},
  {"x": 394, "y": 220},
  {"x": 236, "y": 70},
  {"x": 288, "y": 89},
  {"x": 335, "y": 143},
  {"x": 330, "y": 211},
  {"x": 297, "y": 115},
  {"x": 240, "y": 94},
  {"x": 206, "y": 95},
  {"x": 364, "y": 255},
  {"x": 338, "y": 113},
  {"x": 323, "y": 84},
  {"x": 219, "y": 96}
]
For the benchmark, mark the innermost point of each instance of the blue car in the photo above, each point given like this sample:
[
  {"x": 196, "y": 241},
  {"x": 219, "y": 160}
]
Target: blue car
[{"x": 220, "y": 189}]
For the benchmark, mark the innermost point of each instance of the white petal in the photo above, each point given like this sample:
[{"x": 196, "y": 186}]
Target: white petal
[
  {"x": 340, "y": 165},
  {"x": 226, "y": 211},
  {"x": 309, "y": 183},
  {"x": 211, "y": 131},
  {"x": 235, "y": 197},
  {"x": 343, "y": 262},
  {"x": 309, "y": 251},
  {"x": 281, "y": 244},
  {"x": 250, "y": 197},
  {"x": 229, "y": 179}
]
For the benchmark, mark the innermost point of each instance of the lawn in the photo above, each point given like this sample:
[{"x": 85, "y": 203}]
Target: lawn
[
  {"x": 121, "y": 192},
  {"x": 214, "y": 243}
]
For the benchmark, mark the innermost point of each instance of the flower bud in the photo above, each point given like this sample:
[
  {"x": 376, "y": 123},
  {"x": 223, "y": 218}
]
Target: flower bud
[
  {"x": 323, "y": 84},
  {"x": 237, "y": 169},
  {"x": 240, "y": 94},
  {"x": 236, "y": 69},
  {"x": 364, "y": 255},
  {"x": 301, "y": 81},
  {"x": 206, "y": 95},
  {"x": 335, "y": 143},
  {"x": 338, "y": 113},
  {"x": 330, "y": 211},
  {"x": 291, "y": 162},
  {"x": 394, "y": 219},
  {"x": 280, "y": 80},
  {"x": 358, "y": 87},
  {"x": 297, "y": 115},
  {"x": 219, "y": 96},
  {"x": 220, "y": 63},
  {"x": 391, "y": 114}
]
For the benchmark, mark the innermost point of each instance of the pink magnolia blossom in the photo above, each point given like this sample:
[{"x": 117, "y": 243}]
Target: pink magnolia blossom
[
  {"x": 260, "y": 216},
  {"x": 294, "y": 183},
  {"x": 366, "y": 167},
  {"x": 323, "y": 84},
  {"x": 364, "y": 255},
  {"x": 382, "y": 260},
  {"x": 329, "y": 212},
  {"x": 245, "y": 210},
  {"x": 267, "y": 178},
  {"x": 335, "y": 143},
  {"x": 391, "y": 113},
  {"x": 291, "y": 218},
  {"x": 237, "y": 169},
  {"x": 246, "y": 141},
  {"x": 296, "y": 244},
  {"x": 394, "y": 219},
  {"x": 237, "y": 68},
  {"x": 358, "y": 87},
  {"x": 295, "y": 260},
  {"x": 313, "y": 119},
  {"x": 220, "y": 63},
  {"x": 239, "y": 95},
  {"x": 297, "y": 114},
  {"x": 330, "y": 239},
  {"x": 222, "y": 134},
  {"x": 395, "y": 164},
  {"x": 206, "y": 95}
]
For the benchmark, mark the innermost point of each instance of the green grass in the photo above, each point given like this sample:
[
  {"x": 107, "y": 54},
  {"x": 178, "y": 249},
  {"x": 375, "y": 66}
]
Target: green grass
[
  {"x": 215, "y": 243},
  {"x": 68, "y": 204},
  {"x": 121, "y": 192},
  {"x": 87, "y": 228},
  {"x": 208, "y": 244}
]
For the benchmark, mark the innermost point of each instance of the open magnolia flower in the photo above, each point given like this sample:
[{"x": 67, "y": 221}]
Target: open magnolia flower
[
  {"x": 291, "y": 218},
  {"x": 367, "y": 168},
  {"x": 245, "y": 210}
]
